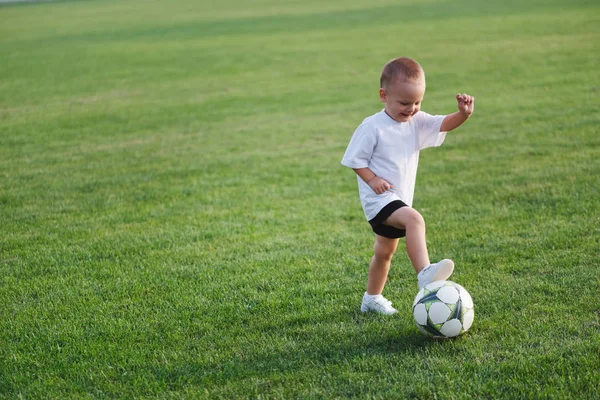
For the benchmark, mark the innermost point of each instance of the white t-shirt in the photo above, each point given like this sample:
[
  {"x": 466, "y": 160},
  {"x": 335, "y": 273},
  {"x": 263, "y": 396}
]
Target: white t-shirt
[{"x": 391, "y": 150}]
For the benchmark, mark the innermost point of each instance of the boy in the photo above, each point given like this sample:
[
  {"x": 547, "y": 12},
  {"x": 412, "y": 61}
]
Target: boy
[{"x": 384, "y": 153}]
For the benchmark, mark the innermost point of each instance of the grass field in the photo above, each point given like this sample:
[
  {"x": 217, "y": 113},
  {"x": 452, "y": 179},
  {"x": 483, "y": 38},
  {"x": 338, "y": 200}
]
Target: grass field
[{"x": 175, "y": 221}]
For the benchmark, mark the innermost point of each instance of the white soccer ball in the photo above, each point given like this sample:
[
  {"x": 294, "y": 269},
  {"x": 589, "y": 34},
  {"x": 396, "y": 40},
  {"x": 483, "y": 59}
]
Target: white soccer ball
[{"x": 443, "y": 309}]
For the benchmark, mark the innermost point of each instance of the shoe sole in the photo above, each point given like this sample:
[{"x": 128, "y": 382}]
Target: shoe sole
[
  {"x": 442, "y": 274},
  {"x": 366, "y": 310}
]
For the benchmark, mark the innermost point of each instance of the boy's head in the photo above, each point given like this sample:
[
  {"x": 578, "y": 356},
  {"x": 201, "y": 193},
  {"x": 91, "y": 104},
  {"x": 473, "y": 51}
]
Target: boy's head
[{"x": 402, "y": 88}]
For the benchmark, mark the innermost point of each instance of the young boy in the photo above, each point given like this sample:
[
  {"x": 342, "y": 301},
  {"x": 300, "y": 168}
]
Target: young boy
[{"x": 384, "y": 153}]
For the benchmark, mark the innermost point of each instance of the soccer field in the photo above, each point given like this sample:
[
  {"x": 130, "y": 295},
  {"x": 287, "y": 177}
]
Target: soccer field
[{"x": 175, "y": 221}]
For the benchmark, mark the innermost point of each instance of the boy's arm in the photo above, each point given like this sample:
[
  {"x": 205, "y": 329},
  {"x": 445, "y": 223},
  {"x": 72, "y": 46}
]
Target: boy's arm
[
  {"x": 466, "y": 104},
  {"x": 379, "y": 185}
]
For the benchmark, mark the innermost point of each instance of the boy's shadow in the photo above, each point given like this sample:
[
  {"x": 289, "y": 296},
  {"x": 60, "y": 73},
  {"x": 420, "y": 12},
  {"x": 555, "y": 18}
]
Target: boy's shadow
[{"x": 309, "y": 345}]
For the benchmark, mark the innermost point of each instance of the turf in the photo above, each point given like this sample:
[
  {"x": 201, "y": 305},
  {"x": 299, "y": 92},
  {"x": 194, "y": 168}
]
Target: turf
[{"x": 175, "y": 221}]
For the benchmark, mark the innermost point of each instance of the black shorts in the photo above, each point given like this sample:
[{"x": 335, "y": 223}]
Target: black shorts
[{"x": 387, "y": 231}]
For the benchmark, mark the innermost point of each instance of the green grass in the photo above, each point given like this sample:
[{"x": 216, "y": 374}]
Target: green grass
[{"x": 175, "y": 221}]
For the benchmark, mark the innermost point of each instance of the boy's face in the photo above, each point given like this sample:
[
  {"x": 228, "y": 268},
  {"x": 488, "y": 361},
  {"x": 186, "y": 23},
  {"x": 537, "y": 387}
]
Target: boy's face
[{"x": 403, "y": 98}]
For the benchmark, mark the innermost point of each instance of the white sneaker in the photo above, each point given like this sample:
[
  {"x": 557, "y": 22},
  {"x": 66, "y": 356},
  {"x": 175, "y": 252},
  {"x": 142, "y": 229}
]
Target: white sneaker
[
  {"x": 377, "y": 304},
  {"x": 440, "y": 271}
]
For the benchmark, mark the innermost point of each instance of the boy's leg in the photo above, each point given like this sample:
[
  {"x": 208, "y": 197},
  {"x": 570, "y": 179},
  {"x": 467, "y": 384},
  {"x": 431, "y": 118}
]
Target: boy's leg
[
  {"x": 378, "y": 272},
  {"x": 409, "y": 219},
  {"x": 384, "y": 250}
]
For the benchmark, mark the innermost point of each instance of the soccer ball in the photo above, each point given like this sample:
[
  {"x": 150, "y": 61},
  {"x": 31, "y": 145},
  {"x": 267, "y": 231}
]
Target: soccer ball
[{"x": 443, "y": 309}]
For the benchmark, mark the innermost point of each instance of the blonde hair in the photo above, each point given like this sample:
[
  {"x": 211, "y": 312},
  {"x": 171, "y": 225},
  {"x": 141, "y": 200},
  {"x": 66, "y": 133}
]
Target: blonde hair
[{"x": 401, "y": 67}]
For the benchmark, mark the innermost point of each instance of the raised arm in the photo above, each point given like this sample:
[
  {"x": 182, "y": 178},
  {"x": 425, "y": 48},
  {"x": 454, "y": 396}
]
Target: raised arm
[{"x": 466, "y": 105}]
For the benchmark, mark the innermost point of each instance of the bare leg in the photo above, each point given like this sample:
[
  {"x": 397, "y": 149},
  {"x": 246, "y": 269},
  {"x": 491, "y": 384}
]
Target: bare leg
[
  {"x": 409, "y": 219},
  {"x": 380, "y": 264}
]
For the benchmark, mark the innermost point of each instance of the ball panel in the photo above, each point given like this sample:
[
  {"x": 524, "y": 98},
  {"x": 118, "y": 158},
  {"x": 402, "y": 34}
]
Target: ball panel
[
  {"x": 420, "y": 314},
  {"x": 435, "y": 285},
  {"x": 448, "y": 294},
  {"x": 458, "y": 286},
  {"x": 439, "y": 312},
  {"x": 419, "y": 296},
  {"x": 451, "y": 328},
  {"x": 466, "y": 298},
  {"x": 468, "y": 319}
]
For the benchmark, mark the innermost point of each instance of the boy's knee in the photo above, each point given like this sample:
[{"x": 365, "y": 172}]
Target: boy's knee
[
  {"x": 384, "y": 252},
  {"x": 407, "y": 218},
  {"x": 414, "y": 218},
  {"x": 384, "y": 255}
]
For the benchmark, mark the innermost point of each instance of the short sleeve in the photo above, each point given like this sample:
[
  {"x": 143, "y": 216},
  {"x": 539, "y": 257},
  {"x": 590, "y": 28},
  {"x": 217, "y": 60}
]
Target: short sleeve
[
  {"x": 428, "y": 129},
  {"x": 360, "y": 149}
]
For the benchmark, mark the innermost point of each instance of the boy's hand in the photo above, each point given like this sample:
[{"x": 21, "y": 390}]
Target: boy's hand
[
  {"x": 379, "y": 185},
  {"x": 466, "y": 104}
]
